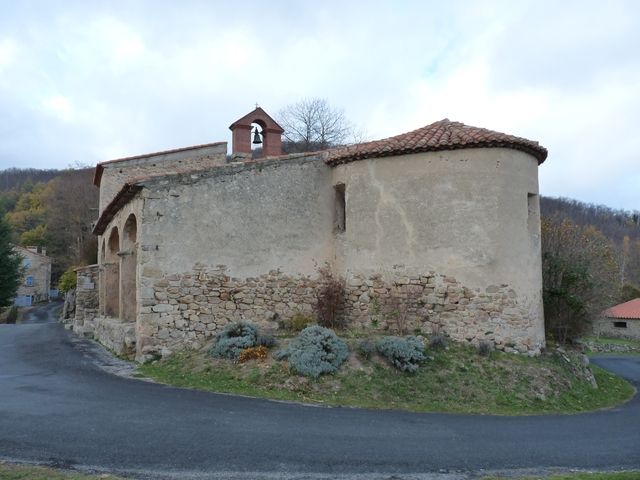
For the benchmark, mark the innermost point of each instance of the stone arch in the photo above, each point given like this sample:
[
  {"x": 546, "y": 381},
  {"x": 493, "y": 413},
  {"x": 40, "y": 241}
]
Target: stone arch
[
  {"x": 101, "y": 275},
  {"x": 128, "y": 270},
  {"x": 112, "y": 275}
]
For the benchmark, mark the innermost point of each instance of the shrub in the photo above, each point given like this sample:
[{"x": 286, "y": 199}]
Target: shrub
[
  {"x": 366, "y": 348},
  {"x": 315, "y": 351},
  {"x": 298, "y": 322},
  {"x": 484, "y": 348},
  {"x": 12, "y": 315},
  {"x": 67, "y": 281},
  {"x": 330, "y": 301},
  {"x": 437, "y": 339},
  {"x": 253, "y": 353},
  {"x": 266, "y": 341},
  {"x": 404, "y": 353},
  {"x": 234, "y": 338}
]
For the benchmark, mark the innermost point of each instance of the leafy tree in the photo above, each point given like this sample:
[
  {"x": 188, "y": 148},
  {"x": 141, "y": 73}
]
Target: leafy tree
[
  {"x": 68, "y": 280},
  {"x": 10, "y": 266},
  {"x": 580, "y": 276},
  {"x": 312, "y": 124}
]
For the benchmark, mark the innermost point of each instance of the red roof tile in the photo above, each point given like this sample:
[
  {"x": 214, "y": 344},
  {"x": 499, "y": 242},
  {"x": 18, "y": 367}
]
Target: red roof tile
[
  {"x": 442, "y": 135},
  {"x": 628, "y": 310}
]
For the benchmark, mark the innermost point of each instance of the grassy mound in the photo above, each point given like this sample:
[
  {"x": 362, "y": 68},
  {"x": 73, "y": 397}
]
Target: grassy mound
[{"x": 455, "y": 379}]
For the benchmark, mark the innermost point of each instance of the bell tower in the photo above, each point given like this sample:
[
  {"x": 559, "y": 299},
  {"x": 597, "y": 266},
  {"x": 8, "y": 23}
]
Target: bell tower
[{"x": 269, "y": 134}]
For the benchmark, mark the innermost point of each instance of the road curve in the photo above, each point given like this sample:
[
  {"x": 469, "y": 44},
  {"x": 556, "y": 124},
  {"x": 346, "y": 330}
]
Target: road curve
[{"x": 57, "y": 406}]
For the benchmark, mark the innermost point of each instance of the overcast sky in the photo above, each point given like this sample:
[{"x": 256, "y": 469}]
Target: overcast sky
[{"x": 87, "y": 81}]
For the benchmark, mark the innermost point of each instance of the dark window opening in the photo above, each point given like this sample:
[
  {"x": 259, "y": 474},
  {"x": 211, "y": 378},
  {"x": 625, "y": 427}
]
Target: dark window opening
[
  {"x": 340, "y": 219},
  {"x": 620, "y": 324},
  {"x": 533, "y": 213}
]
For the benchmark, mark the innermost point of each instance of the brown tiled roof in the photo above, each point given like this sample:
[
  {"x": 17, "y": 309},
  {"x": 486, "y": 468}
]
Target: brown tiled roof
[
  {"x": 442, "y": 135},
  {"x": 126, "y": 193},
  {"x": 629, "y": 310},
  {"x": 100, "y": 167}
]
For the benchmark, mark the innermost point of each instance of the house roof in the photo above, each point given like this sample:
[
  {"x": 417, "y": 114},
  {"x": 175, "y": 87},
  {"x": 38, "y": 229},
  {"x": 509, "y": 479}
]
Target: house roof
[
  {"x": 100, "y": 167},
  {"x": 629, "y": 310},
  {"x": 31, "y": 252},
  {"x": 441, "y": 135}
]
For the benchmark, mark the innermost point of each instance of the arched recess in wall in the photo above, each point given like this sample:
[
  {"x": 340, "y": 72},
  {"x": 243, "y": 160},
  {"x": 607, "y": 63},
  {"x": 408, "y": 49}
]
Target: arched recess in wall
[
  {"x": 129, "y": 262},
  {"x": 112, "y": 275},
  {"x": 101, "y": 275}
]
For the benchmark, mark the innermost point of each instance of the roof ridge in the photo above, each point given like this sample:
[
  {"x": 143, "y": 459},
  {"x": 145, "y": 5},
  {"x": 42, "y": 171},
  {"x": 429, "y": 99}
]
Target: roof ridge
[{"x": 444, "y": 134}]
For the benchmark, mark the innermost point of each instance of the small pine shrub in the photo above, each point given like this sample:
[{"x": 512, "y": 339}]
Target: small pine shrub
[
  {"x": 366, "y": 348},
  {"x": 484, "y": 348},
  {"x": 253, "y": 353},
  {"x": 267, "y": 341},
  {"x": 316, "y": 351},
  {"x": 234, "y": 338},
  {"x": 404, "y": 353}
]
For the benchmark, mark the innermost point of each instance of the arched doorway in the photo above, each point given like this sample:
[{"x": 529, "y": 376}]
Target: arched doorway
[
  {"x": 112, "y": 275},
  {"x": 128, "y": 270}
]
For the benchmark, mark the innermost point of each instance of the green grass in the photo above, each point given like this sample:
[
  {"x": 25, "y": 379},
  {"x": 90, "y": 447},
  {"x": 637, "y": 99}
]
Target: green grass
[
  {"x": 581, "y": 476},
  {"x": 456, "y": 380},
  {"x": 15, "y": 472}
]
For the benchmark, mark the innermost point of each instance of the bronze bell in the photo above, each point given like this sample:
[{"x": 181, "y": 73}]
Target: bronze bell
[{"x": 256, "y": 137}]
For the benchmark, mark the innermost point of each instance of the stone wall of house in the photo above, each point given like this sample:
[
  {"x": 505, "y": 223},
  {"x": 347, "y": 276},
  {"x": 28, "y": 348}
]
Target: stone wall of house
[
  {"x": 606, "y": 327},
  {"x": 86, "y": 299},
  {"x": 37, "y": 268},
  {"x": 189, "y": 308}
]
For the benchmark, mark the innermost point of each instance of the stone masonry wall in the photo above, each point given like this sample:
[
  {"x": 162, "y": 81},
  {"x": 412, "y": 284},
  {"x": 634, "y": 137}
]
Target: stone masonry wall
[
  {"x": 188, "y": 309},
  {"x": 433, "y": 302},
  {"x": 86, "y": 299}
]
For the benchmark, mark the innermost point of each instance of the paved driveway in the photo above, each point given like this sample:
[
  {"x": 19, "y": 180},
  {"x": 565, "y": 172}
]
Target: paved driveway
[{"x": 57, "y": 406}]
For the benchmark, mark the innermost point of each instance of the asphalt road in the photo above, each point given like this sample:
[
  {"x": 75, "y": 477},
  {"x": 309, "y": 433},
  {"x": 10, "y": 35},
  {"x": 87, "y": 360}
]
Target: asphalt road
[{"x": 57, "y": 406}]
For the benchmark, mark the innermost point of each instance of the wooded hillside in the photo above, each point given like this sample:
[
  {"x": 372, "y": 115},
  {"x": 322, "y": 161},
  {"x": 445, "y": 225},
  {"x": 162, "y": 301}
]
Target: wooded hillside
[{"x": 53, "y": 209}]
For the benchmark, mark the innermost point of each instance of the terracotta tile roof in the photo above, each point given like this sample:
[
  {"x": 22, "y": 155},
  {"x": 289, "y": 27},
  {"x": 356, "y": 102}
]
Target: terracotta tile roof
[
  {"x": 100, "y": 167},
  {"x": 629, "y": 310},
  {"x": 442, "y": 135}
]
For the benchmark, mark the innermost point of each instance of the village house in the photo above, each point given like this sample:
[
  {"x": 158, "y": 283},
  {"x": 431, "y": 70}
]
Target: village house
[
  {"x": 444, "y": 219},
  {"x": 36, "y": 280},
  {"x": 620, "y": 321}
]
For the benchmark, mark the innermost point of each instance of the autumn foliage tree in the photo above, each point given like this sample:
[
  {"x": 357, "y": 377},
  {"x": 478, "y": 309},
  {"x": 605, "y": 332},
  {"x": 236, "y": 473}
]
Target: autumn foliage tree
[
  {"x": 57, "y": 215},
  {"x": 580, "y": 276}
]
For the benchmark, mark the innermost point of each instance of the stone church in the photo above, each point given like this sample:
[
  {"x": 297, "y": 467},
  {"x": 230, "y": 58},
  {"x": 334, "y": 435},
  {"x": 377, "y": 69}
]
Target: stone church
[{"x": 444, "y": 219}]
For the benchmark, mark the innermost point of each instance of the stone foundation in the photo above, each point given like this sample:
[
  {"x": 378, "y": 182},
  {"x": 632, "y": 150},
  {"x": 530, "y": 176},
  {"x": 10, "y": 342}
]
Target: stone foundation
[
  {"x": 433, "y": 302},
  {"x": 186, "y": 310},
  {"x": 117, "y": 335}
]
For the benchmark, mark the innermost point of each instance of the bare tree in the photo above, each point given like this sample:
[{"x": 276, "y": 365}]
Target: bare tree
[{"x": 312, "y": 124}]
